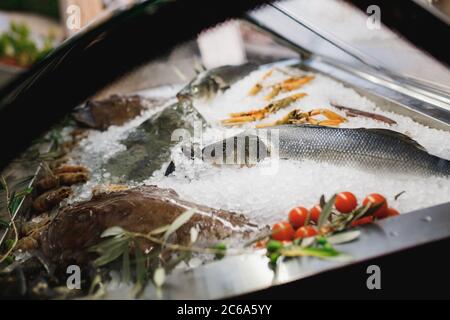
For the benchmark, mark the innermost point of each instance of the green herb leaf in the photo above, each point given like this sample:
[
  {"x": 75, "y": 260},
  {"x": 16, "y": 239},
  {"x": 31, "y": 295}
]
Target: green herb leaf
[
  {"x": 111, "y": 255},
  {"x": 178, "y": 223},
  {"x": 222, "y": 248},
  {"x": 344, "y": 237},
  {"x": 159, "y": 230},
  {"x": 159, "y": 277},
  {"x": 112, "y": 232},
  {"x": 326, "y": 212},
  {"x": 24, "y": 192},
  {"x": 296, "y": 251},
  {"x": 16, "y": 200},
  {"x": 9, "y": 243},
  {"x": 141, "y": 274},
  {"x": 4, "y": 224},
  {"x": 109, "y": 250},
  {"x": 307, "y": 242},
  {"x": 9, "y": 260},
  {"x": 274, "y": 246},
  {"x": 361, "y": 213},
  {"x": 274, "y": 258},
  {"x": 126, "y": 266},
  {"x": 321, "y": 240},
  {"x": 194, "y": 234},
  {"x": 108, "y": 244}
]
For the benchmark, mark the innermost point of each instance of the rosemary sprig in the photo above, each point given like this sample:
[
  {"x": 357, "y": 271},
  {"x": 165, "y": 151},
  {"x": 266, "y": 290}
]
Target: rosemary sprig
[
  {"x": 13, "y": 224},
  {"x": 118, "y": 243},
  {"x": 13, "y": 201},
  {"x": 4, "y": 224}
]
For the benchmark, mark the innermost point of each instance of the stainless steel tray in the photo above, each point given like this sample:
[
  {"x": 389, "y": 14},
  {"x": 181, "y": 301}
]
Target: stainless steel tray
[{"x": 239, "y": 275}]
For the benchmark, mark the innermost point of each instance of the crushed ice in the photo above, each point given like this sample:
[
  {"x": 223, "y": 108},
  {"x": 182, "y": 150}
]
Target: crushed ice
[{"x": 267, "y": 198}]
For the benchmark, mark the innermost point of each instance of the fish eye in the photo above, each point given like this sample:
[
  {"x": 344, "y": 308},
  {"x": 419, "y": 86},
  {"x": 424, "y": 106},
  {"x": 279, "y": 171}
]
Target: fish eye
[{"x": 195, "y": 89}]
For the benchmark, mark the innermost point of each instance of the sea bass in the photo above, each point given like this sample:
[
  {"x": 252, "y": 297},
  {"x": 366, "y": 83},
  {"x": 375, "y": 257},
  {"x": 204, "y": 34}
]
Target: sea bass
[
  {"x": 372, "y": 149},
  {"x": 208, "y": 83}
]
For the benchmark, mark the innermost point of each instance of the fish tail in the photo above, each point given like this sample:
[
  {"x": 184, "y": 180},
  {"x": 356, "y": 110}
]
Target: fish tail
[{"x": 442, "y": 166}]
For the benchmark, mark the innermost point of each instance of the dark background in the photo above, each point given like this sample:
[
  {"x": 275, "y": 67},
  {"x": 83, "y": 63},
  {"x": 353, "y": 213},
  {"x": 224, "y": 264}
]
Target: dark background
[{"x": 45, "y": 7}]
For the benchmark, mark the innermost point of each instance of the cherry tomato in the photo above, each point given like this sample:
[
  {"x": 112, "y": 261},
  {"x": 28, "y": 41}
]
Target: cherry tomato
[
  {"x": 376, "y": 199},
  {"x": 282, "y": 231},
  {"x": 392, "y": 212},
  {"x": 362, "y": 221},
  {"x": 315, "y": 213},
  {"x": 346, "y": 202},
  {"x": 298, "y": 216},
  {"x": 305, "y": 232}
]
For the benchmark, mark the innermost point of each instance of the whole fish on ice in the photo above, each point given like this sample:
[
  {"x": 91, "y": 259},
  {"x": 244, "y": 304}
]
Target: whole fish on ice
[
  {"x": 373, "y": 149},
  {"x": 208, "y": 83}
]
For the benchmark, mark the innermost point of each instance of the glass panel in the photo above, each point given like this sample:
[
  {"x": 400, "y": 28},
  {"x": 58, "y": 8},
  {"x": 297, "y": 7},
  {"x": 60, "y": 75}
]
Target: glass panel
[{"x": 356, "y": 32}]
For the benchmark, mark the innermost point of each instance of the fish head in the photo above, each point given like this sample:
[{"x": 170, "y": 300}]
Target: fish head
[
  {"x": 187, "y": 94},
  {"x": 83, "y": 116},
  {"x": 203, "y": 87},
  {"x": 242, "y": 150}
]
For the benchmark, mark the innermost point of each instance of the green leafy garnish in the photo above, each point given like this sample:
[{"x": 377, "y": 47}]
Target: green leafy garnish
[
  {"x": 344, "y": 237},
  {"x": 178, "y": 223},
  {"x": 274, "y": 246},
  {"x": 18, "y": 47},
  {"x": 4, "y": 224},
  {"x": 222, "y": 250},
  {"x": 326, "y": 212}
]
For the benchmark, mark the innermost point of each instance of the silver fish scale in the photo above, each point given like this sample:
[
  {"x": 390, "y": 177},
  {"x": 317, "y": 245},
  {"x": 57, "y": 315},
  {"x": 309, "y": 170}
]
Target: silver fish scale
[{"x": 369, "y": 149}]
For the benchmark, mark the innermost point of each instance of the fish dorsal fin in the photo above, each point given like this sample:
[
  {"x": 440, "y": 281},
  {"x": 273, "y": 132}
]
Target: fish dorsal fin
[
  {"x": 199, "y": 68},
  {"x": 384, "y": 132},
  {"x": 397, "y": 135},
  {"x": 303, "y": 125}
]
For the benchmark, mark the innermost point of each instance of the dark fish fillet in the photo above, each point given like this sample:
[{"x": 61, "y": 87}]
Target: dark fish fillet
[
  {"x": 372, "y": 149},
  {"x": 115, "y": 110},
  {"x": 142, "y": 209}
]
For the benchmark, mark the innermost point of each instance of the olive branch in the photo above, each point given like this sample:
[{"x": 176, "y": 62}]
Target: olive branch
[{"x": 119, "y": 243}]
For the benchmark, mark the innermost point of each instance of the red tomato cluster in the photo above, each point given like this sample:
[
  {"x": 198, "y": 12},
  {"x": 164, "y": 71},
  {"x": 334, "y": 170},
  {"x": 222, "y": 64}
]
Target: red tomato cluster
[
  {"x": 301, "y": 219},
  {"x": 374, "y": 200},
  {"x": 297, "y": 227}
]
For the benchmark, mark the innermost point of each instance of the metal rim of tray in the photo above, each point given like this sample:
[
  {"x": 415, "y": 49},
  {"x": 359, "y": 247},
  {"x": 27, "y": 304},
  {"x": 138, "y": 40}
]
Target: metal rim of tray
[{"x": 241, "y": 275}]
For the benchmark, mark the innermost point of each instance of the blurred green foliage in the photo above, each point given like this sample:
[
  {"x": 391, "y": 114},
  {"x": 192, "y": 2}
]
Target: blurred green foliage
[
  {"x": 17, "y": 46},
  {"x": 45, "y": 7}
]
